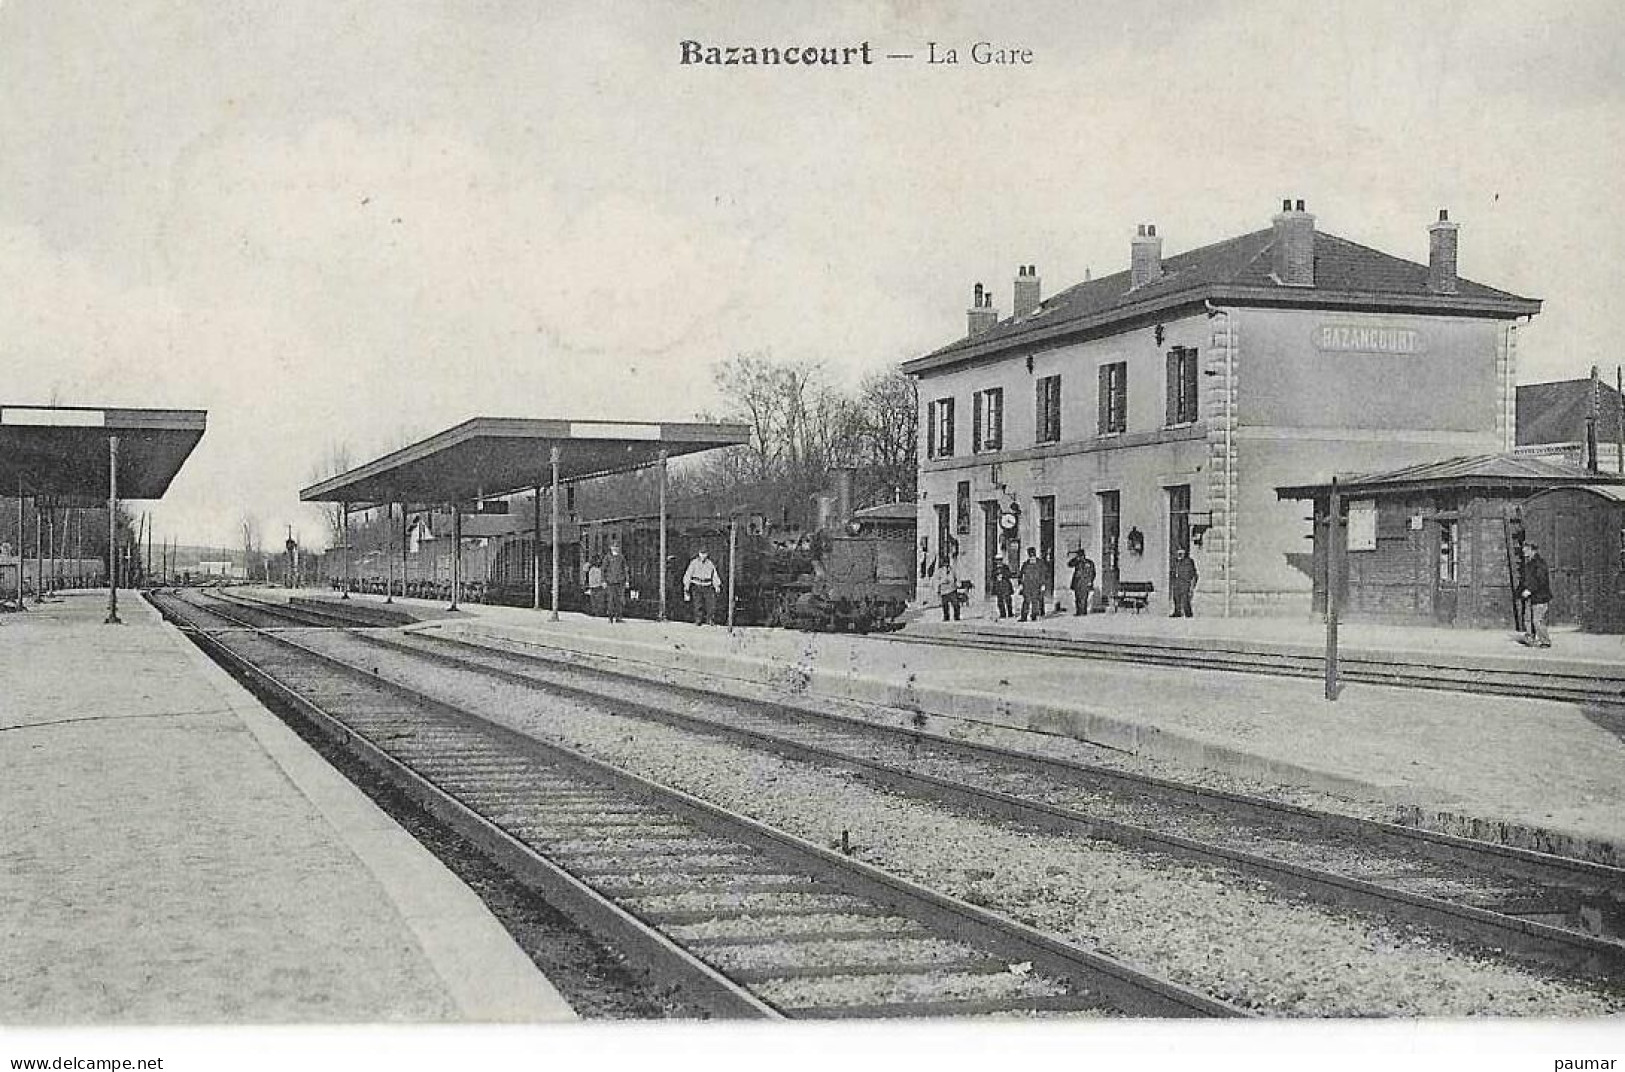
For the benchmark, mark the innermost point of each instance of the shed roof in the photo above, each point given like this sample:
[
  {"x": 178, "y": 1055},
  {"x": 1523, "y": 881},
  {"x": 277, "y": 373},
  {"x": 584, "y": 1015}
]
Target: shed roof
[
  {"x": 61, "y": 451},
  {"x": 1234, "y": 271},
  {"x": 1474, "y": 470},
  {"x": 487, "y": 457},
  {"x": 905, "y": 511}
]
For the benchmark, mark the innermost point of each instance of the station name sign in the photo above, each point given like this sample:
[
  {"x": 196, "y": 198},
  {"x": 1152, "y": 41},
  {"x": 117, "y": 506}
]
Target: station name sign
[{"x": 1368, "y": 339}]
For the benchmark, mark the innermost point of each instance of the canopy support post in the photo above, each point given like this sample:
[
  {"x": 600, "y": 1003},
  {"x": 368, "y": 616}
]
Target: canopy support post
[
  {"x": 553, "y": 459},
  {"x": 456, "y": 552},
  {"x": 536, "y": 550},
  {"x": 663, "y": 564},
  {"x": 112, "y": 532}
]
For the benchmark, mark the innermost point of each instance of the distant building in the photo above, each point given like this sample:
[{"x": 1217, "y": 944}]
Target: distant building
[
  {"x": 1552, "y": 421},
  {"x": 1159, "y": 408}
]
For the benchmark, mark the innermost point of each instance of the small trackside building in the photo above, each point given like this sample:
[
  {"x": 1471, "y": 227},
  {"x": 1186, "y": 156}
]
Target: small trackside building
[
  {"x": 1440, "y": 543},
  {"x": 1159, "y": 408}
]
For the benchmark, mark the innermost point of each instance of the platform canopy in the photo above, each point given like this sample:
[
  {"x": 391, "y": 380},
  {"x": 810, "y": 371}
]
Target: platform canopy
[
  {"x": 488, "y": 457},
  {"x": 62, "y": 451}
]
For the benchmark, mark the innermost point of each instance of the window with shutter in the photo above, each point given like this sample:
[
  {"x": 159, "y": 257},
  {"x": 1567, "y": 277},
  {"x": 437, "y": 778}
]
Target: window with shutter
[
  {"x": 1113, "y": 398},
  {"x": 987, "y": 420},
  {"x": 1103, "y": 401},
  {"x": 1181, "y": 380},
  {"x": 1189, "y": 377},
  {"x": 1172, "y": 380},
  {"x": 1048, "y": 410}
]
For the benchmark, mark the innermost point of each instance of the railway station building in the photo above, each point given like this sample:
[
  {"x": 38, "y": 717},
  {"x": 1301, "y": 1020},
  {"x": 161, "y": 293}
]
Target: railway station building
[{"x": 1158, "y": 409}]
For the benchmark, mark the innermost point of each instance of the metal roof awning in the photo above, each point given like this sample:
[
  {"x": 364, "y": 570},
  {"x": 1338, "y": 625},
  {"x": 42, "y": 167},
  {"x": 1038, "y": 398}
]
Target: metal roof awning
[
  {"x": 487, "y": 457},
  {"x": 61, "y": 451}
]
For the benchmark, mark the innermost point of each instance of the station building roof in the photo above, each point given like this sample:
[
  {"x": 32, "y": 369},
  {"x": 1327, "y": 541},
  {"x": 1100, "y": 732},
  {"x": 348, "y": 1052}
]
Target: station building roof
[
  {"x": 61, "y": 451},
  {"x": 1508, "y": 471},
  {"x": 488, "y": 457},
  {"x": 1236, "y": 271}
]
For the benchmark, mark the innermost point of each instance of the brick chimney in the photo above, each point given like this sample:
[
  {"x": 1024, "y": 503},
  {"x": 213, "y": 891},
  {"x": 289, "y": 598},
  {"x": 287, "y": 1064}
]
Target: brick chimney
[
  {"x": 1442, "y": 255},
  {"x": 981, "y": 315},
  {"x": 1028, "y": 294},
  {"x": 1145, "y": 257},
  {"x": 1294, "y": 246}
]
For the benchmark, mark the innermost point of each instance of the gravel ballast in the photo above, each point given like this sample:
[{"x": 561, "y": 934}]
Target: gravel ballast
[{"x": 1215, "y": 931}]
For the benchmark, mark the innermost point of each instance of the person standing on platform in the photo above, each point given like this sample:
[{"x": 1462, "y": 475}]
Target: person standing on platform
[
  {"x": 1083, "y": 581},
  {"x": 1537, "y": 594},
  {"x": 1183, "y": 583},
  {"x": 1003, "y": 588},
  {"x": 948, "y": 590},
  {"x": 701, "y": 583},
  {"x": 595, "y": 589},
  {"x": 1032, "y": 580},
  {"x": 615, "y": 582}
]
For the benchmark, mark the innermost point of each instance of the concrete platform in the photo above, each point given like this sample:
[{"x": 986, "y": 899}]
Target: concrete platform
[
  {"x": 1537, "y": 773},
  {"x": 1571, "y": 649},
  {"x": 171, "y": 853}
]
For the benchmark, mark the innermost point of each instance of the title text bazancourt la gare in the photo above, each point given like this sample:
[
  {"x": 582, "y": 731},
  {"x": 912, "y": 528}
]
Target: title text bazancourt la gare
[{"x": 980, "y": 54}]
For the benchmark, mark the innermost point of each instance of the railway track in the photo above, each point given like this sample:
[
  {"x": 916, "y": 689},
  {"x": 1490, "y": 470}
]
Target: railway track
[
  {"x": 1563, "y": 913},
  {"x": 1572, "y": 684},
  {"x": 749, "y": 920}
]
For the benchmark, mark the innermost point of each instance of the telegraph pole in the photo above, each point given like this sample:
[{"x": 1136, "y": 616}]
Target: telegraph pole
[
  {"x": 733, "y": 565},
  {"x": 1332, "y": 572}
]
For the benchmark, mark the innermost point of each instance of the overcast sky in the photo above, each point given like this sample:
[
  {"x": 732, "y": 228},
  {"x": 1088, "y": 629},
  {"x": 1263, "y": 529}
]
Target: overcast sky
[{"x": 349, "y": 223}]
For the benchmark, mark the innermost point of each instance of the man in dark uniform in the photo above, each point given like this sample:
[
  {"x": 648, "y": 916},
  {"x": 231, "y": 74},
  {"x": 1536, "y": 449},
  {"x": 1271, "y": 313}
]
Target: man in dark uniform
[
  {"x": 1033, "y": 577},
  {"x": 1083, "y": 581},
  {"x": 1183, "y": 583},
  {"x": 615, "y": 581},
  {"x": 1537, "y": 593}
]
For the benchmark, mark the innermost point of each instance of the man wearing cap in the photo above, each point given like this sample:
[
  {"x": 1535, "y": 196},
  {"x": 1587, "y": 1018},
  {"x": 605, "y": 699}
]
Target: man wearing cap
[
  {"x": 701, "y": 583},
  {"x": 1537, "y": 593}
]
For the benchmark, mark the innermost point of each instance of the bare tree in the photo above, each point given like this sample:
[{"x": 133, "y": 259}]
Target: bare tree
[
  {"x": 335, "y": 459},
  {"x": 801, "y": 426},
  {"x": 888, "y": 433},
  {"x": 248, "y": 532}
]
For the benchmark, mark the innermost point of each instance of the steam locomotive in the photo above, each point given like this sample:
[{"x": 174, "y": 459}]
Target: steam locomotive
[{"x": 857, "y": 575}]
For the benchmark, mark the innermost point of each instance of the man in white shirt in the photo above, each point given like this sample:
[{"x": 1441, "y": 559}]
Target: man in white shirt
[{"x": 701, "y": 583}]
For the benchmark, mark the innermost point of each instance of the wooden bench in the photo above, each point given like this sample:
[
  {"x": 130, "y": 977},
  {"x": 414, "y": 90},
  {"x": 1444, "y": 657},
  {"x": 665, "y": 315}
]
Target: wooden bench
[{"x": 1132, "y": 595}]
